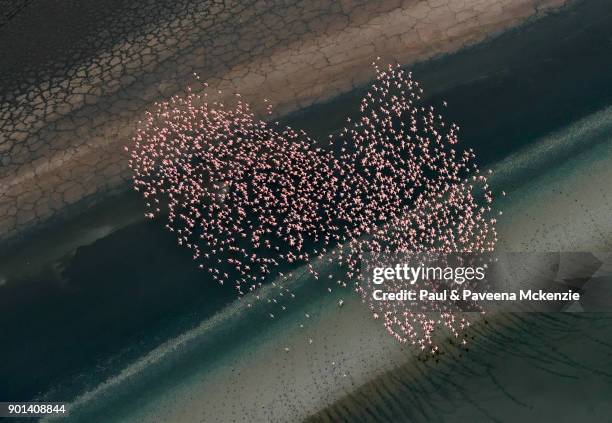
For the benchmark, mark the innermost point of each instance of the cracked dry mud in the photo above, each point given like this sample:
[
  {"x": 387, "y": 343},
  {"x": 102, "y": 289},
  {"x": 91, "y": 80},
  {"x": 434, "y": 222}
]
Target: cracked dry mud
[{"x": 74, "y": 81}]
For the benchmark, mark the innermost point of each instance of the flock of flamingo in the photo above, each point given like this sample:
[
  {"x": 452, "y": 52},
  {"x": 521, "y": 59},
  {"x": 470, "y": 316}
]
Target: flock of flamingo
[{"x": 253, "y": 200}]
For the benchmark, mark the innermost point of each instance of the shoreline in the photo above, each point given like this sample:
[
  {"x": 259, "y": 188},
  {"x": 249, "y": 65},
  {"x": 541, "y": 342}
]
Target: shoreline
[
  {"x": 47, "y": 169},
  {"x": 319, "y": 119}
]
